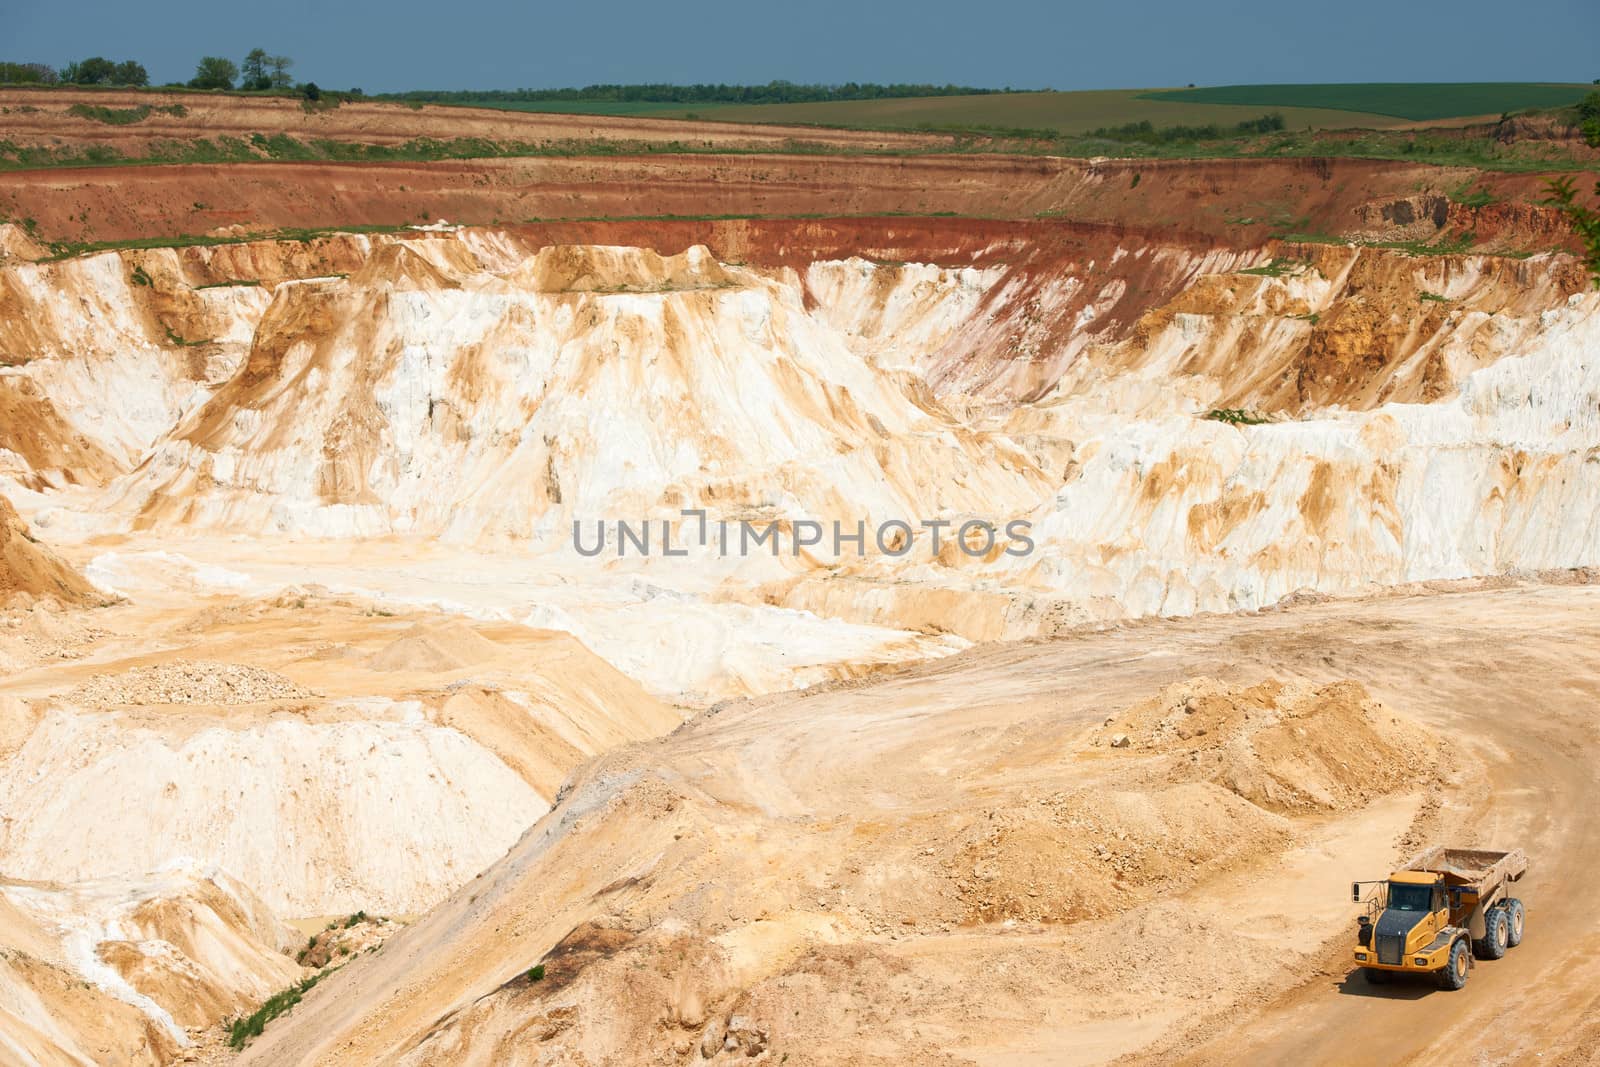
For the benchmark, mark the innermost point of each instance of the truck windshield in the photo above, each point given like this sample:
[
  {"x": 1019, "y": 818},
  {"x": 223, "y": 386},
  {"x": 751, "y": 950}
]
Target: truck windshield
[{"x": 1409, "y": 897}]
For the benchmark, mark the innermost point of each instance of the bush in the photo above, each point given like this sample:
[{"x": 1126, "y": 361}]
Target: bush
[
  {"x": 1145, "y": 132},
  {"x": 1235, "y": 417},
  {"x": 536, "y": 973},
  {"x": 1585, "y": 220},
  {"x": 214, "y": 72},
  {"x": 28, "y": 74},
  {"x": 1589, "y": 119},
  {"x": 98, "y": 70}
]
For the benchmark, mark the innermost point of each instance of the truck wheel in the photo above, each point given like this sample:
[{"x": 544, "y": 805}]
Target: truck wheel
[
  {"x": 1454, "y": 975},
  {"x": 1495, "y": 934},
  {"x": 1515, "y": 920},
  {"x": 1375, "y": 976}
]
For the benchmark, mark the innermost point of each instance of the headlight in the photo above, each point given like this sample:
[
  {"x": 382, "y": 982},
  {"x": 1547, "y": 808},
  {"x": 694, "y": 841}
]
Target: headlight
[
  {"x": 1361, "y": 956},
  {"x": 1421, "y": 961}
]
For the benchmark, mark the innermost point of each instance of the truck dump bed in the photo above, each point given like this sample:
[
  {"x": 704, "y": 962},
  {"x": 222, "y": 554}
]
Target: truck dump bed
[{"x": 1479, "y": 869}]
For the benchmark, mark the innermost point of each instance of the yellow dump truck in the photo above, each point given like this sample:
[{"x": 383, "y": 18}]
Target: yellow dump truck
[{"x": 1449, "y": 907}]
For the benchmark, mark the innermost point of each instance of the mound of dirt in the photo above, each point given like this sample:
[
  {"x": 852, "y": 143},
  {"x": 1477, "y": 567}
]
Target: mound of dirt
[
  {"x": 1284, "y": 747},
  {"x": 29, "y": 570},
  {"x": 44, "y": 631},
  {"x": 436, "y": 647},
  {"x": 1093, "y": 853},
  {"x": 188, "y": 682}
]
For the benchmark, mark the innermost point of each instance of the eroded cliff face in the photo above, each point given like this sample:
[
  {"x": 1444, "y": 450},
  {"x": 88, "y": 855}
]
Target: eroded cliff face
[
  {"x": 423, "y": 394},
  {"x": 466, "y": 385},
  {"x": 118, "y": 970}
]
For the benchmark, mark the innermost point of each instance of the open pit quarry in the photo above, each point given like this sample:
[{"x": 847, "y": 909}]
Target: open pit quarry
[{"x": 329, "y": 648}]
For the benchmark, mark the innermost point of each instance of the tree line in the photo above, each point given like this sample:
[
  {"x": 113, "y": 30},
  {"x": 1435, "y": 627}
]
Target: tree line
[
  {"x": 1148, "y": 133},
  {"x": 262, "y": 72},
  {"x": 259, "y": 72},
  {"x": 774, "y": 92},
  {"x": 96, "y": 70}
]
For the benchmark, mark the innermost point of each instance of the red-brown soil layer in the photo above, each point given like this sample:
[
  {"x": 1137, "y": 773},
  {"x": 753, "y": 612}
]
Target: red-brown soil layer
[{"x": 1234, "y": 201}]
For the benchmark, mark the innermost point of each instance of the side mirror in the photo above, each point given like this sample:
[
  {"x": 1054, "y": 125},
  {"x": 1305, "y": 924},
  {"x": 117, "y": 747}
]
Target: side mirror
[{"x": 1355, "y": 892}]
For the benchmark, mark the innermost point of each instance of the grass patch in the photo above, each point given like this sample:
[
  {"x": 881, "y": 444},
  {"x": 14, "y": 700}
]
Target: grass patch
[
  {"x": 1277, "y": 268},
  {"x": 1444, "y": 246},
  {"x": 139, "y": 277},
  {"x": 1236, "y": 416},
  {"x": 229, "y": 284},
  {"x": 111, "y": 116},
  {"x": 1473, "y": 198},
  {"x": 1433, "y": 298},
  {"x": 1250, "y": 139},
  {"x": 242, "y": 1031},
  {"x": 67, "y": 249},
  {"x": 124, "y": 116},
  {"x": 181, "y": 342}
]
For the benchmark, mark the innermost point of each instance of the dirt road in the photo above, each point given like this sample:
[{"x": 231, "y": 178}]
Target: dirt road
[{"x": 1531, "y": 711}]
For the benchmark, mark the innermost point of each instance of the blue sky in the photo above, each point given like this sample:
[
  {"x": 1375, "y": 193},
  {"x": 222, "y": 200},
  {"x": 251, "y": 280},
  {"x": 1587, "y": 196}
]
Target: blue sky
[{"x": 401, "y": 44}]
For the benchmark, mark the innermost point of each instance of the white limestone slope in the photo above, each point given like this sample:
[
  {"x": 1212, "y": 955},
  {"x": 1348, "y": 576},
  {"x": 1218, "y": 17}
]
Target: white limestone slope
[
  {"x": 1177, "y": 514},
  {"x": 120, "y": 362},
  {"x": 415, "y": 397},
  {"x": 323, "y": 818}
]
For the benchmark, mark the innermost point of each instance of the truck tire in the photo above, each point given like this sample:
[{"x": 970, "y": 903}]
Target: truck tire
[
  {"x": 1516, "y": 919},
  {"x": 1454, "y": 975},
  {"x": 1375, "y": 976},
  {"x": 1496, "y": 933}
]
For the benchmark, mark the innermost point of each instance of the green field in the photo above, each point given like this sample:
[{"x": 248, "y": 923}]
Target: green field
[
  {"x": 1317, "y": 107},
  {"x": 580, "y": 107},
  {"x": 1068, "y": 113},
  {"x": 1415, "y": 102}
]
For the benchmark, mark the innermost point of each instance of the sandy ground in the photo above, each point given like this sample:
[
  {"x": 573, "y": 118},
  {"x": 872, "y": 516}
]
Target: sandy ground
[
  {"x": 844, "y": 790},
  {"x": 663, "y": 626}
]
